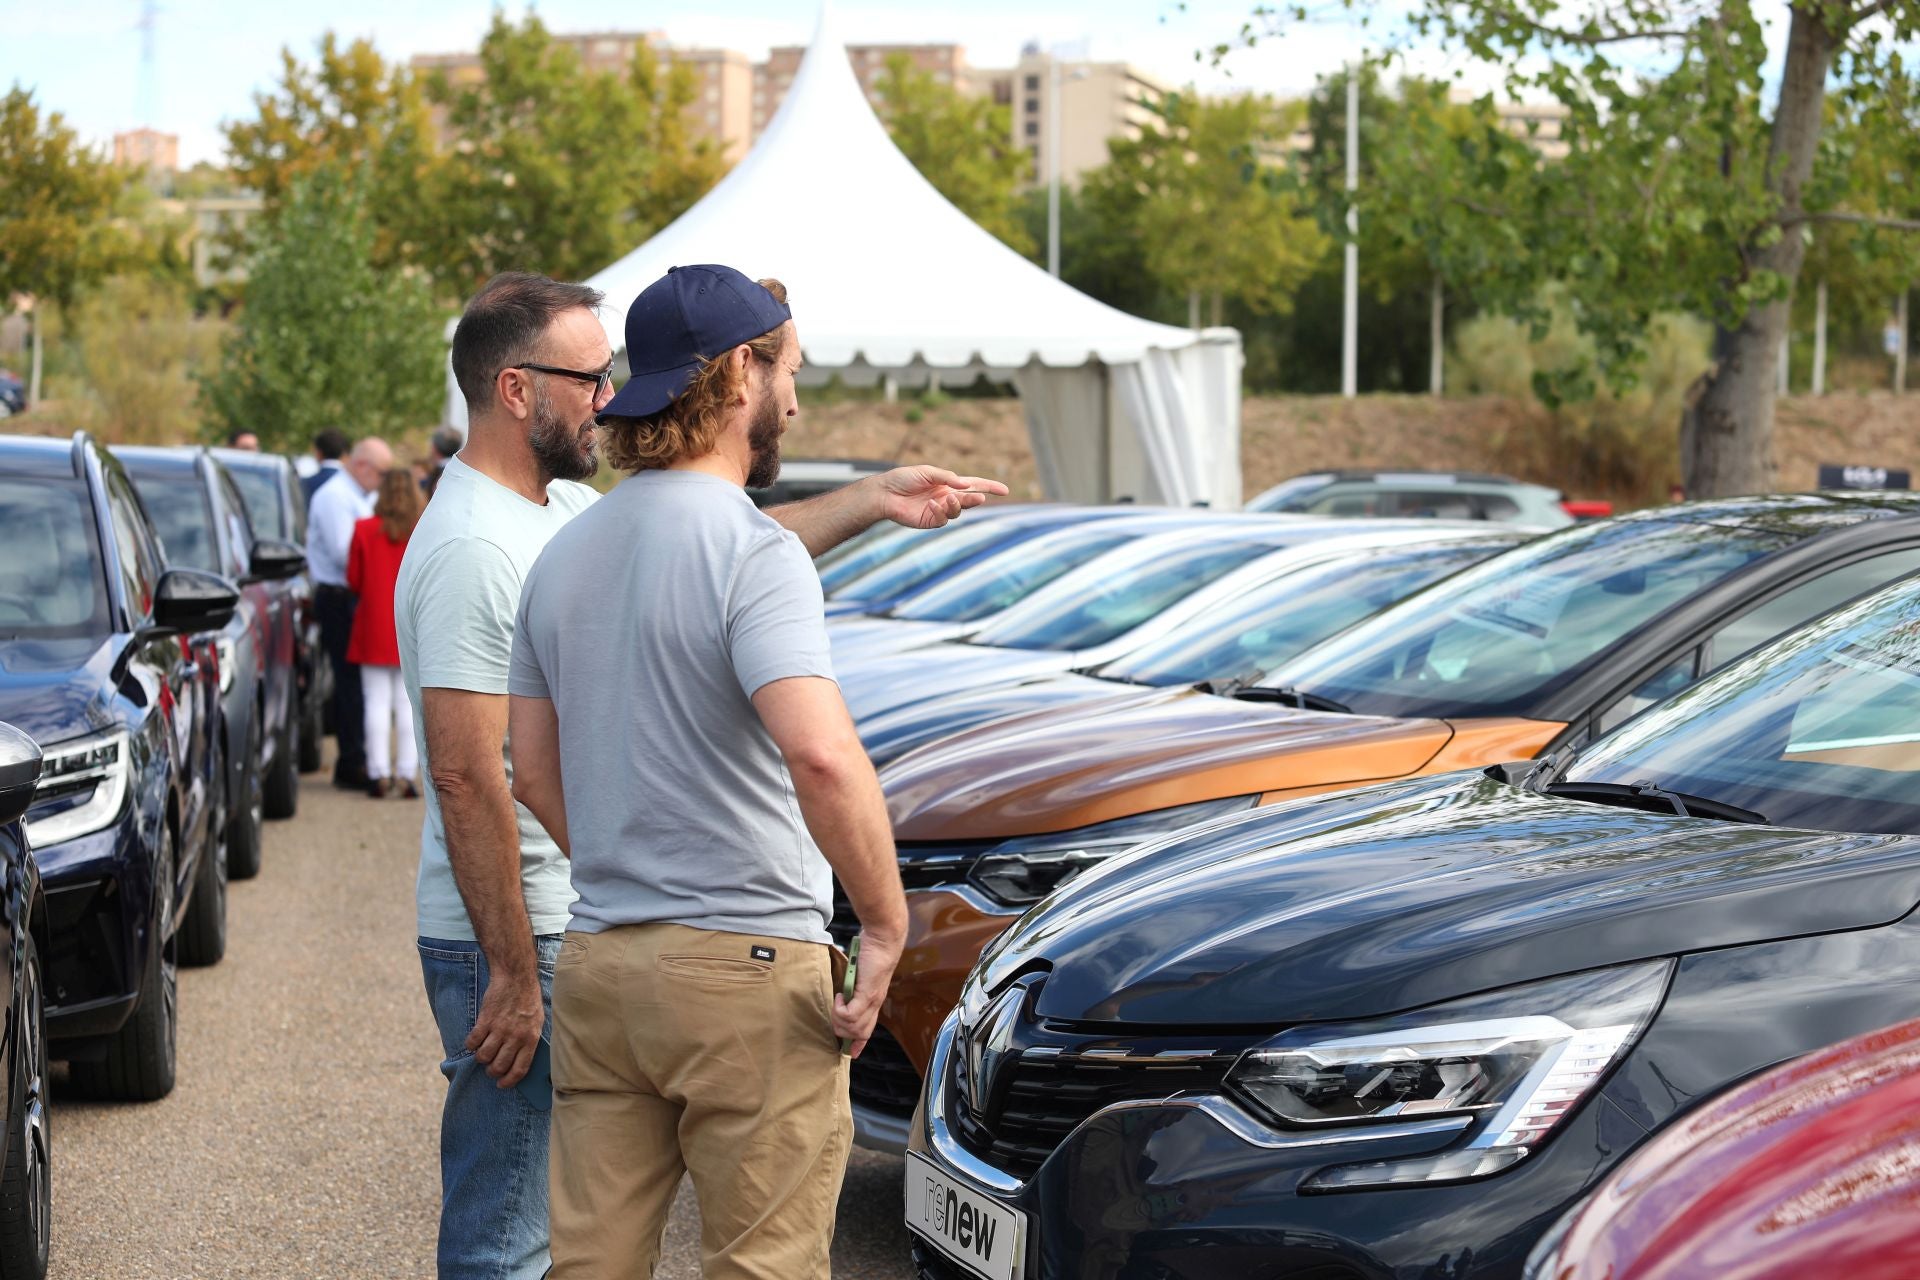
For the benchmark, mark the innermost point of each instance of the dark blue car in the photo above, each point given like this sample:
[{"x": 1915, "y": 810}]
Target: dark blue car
[
  {"x": 96, "y": 666},
  {"x": 26, "y": 1144},
  {"x": 203, "y": 524}
]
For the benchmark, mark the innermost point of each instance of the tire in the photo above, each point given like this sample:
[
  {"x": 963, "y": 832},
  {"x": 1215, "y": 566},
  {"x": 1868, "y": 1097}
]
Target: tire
[
  {"x": 26, "y": 1183},
  {"x": 140, "y": 1061},
  {"x": 203, "y": 933},
  {"x": 246, "y": 812},
  {"x": 282, "y": 794},
  {"x": 312, "y": 730}
]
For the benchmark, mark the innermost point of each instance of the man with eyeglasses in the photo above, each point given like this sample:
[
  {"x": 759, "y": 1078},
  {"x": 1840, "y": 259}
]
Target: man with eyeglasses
[{"x": 493, "y": 895}]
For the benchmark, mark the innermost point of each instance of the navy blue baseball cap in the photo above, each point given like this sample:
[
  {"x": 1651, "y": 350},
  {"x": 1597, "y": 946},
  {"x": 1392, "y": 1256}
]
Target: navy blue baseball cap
[{"x": 688, "y": 315}]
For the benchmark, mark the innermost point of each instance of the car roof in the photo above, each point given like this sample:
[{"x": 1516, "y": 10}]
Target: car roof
[
  {"x": 38, "y": 457},
  {"x": 157, "y": 459},
  {"x": 251, "y": 460},
  {"x": 1402, "y": 475},
  {"x": 1798, "y": 515}
]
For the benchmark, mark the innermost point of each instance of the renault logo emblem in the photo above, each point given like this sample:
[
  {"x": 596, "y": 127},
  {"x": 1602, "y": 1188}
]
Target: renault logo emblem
[{"x": 989, "y": 1048}]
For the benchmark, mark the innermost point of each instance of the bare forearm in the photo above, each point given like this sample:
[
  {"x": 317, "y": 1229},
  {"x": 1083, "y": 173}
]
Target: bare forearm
[
  {"x": 847, "y": 817},
  {"x": 483, "y": 849},
  {"x": 829, "y": 519},
  {"x": 546, "y": 800}
]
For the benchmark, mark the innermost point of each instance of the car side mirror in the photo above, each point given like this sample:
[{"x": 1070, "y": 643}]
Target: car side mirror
[
  {"x": 189, "y": 601},
  {"x": 19, "y": 772},
  {"x": 274, "y": 560}
]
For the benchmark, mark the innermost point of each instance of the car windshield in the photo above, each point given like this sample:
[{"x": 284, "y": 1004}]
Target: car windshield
[
  {"x": 1819, "y": 730},
  {"x": 1290, "y": 495},
  {"x": 862, "y": 554},
  {"x": 1284, "y": 618},
  {"x": 182, "y": 518},
  {"x": 52, "y": 583},
  {"x": 928, "y": 559},
  {"x": 260, "y": 490},
  {"x": 1130, "y": 590},
  {"x": 1491, "y": 640},
  {"x": 997, "y": 581}
]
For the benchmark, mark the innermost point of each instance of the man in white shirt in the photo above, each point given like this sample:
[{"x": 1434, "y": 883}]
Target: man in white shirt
[{"x": 337, "y": 506}]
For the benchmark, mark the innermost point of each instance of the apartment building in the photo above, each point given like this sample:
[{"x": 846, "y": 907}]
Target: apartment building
[
  {"x": 946, "y": 63},
  {"x": 1098, "y": 102},
  {"x": 149, "y": 149},
  {"x": 723, "y": 79}
]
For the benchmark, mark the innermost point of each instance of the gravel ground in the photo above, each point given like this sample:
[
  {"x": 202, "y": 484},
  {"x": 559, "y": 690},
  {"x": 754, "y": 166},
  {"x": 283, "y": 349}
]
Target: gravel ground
[{"x": 300, "y": 1140}]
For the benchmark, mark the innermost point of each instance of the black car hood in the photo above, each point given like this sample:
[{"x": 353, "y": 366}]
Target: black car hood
[
  {"x": 54, "y": 690},
  {"x": 1386, "y": 899}
]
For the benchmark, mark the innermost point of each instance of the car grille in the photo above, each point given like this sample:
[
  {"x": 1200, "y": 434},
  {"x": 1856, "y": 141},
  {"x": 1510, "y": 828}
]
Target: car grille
[
  {"x": 1058, "y": 1084},
  {"x": 922, "y": 866},
  {"x": 882, "y": 1077}
]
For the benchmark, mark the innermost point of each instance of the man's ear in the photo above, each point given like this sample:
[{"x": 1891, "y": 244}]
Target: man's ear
[
  {"x": 743, "y": 366},
  {"x": 514, "y": 387}
]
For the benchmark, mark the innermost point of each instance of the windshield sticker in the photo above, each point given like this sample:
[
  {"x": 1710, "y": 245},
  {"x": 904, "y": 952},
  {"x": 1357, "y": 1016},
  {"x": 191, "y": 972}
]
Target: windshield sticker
[
  {"x": 1530, "y": 606},
  {"x": 1895, "y": 657}
]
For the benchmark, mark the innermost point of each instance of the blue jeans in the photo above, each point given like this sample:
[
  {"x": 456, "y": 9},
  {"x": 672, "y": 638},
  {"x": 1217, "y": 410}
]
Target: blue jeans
[{"x": 493, "y": 1142}]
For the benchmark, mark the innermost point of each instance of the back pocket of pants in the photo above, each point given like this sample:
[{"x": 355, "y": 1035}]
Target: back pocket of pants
[{"x": 716, "y": 969}]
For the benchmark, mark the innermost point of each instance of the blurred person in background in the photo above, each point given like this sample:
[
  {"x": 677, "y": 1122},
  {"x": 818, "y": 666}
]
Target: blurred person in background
[
  {"x": 338, "y": 505},
  {"x": 329, "y": 446},
  {"x": 373, "y": 566},
  {"x": 445, "y": 443},
  {"x": 241, "y": 438}
]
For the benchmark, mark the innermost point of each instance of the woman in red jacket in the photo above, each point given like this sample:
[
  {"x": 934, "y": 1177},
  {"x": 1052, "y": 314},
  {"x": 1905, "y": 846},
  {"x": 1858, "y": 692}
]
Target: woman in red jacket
[{"x": 373, "y": 565}]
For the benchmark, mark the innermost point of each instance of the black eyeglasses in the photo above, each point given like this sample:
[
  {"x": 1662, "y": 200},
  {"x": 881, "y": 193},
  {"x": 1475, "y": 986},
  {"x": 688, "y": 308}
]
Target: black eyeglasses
[{"x": 601, "y": 380}]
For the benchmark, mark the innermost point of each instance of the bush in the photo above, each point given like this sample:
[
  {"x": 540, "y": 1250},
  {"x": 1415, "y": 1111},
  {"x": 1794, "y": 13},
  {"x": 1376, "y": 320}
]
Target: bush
[
  {"x": 129, "y": 351},
  {"x": 1614, "y": 439}
]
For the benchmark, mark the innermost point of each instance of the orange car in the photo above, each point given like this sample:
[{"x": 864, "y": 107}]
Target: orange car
[{"x": 1553, "y": 642}]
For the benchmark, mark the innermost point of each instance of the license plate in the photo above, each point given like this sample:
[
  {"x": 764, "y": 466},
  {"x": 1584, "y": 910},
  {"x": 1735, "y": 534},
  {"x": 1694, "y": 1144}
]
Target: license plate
[{"x": 980, "y": 1234}]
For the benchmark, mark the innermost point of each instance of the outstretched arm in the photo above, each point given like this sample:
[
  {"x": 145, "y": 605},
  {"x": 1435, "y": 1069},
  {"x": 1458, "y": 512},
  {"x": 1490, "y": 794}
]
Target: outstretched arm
[{"x": 917, "y": 497}]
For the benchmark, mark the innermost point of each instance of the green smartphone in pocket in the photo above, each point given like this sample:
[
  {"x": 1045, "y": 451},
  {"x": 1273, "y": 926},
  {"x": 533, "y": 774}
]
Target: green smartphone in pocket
[{"x": 846, "y": 985}]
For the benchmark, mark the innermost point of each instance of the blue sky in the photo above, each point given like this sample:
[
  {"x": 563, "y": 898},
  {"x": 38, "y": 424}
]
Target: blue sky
[{"x": 82, "y": 57}]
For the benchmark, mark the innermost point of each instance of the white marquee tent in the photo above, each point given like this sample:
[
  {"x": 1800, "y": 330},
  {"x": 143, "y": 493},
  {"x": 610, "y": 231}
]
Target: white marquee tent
[{"x": 887, "y": 278}]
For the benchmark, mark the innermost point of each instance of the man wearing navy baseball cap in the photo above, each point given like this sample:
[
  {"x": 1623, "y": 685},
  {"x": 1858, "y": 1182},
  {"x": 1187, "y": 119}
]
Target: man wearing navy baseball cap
[{"x": 677, "y": 728}]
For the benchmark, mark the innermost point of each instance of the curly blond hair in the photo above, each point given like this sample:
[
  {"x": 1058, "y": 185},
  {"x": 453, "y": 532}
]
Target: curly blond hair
[{"x": 691, "y": 425}]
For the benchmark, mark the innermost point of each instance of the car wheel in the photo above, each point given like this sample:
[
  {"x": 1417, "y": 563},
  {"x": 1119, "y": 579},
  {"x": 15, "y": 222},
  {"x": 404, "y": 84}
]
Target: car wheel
[
  {"x": 140, "y": 1059},
  {"x": 312, "y": 730},
  {"x": 283, "y": 783},
  {"x": 26, "y": 1183},
  {"x": 203, "y": 933},
  {"x": 248, "y": 812}
]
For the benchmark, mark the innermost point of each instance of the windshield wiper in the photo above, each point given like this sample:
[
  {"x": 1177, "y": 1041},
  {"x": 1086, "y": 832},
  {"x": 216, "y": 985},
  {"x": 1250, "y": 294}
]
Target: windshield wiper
[
  {"x": 1682, "y": 804},
  {"x": 1291, "y": 696}
]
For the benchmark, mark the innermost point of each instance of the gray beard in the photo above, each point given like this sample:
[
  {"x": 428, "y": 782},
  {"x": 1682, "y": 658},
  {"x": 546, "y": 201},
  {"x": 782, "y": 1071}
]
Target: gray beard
[{"x": 556, "y": 443}]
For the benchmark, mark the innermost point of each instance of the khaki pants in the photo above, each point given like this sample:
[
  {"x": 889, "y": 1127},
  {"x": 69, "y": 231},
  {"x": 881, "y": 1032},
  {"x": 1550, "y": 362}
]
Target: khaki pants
[{"x": 677, "y": 1050}]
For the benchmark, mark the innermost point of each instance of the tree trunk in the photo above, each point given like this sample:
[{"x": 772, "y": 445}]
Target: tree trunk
[
  {"x": 1193, "y": 309},
  {"x": 1786, "y": 365},
  {"x": 33, "y": 369},
  {"x": 1437, "y": 337},
  {"x": 1900, "y": 347},
  {"x": 1726, "y": 430}
]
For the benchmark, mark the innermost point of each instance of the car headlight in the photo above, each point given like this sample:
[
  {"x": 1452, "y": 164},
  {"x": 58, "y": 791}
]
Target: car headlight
[
  {"x": 81, "y": 788},
  {"x": 1516, "y": 1061},
  {"x": 1024, "y": 870}
]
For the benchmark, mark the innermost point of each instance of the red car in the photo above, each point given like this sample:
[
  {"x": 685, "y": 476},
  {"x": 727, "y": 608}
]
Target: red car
[{"x": 1810, "y": 1169}]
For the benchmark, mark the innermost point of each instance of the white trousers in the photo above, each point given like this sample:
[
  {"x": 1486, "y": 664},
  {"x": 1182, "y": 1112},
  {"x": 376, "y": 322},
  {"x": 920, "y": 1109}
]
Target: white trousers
[{"x": 389, "y": 719}]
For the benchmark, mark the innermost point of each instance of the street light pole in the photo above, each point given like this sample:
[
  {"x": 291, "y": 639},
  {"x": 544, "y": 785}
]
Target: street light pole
[
  {"x": 1350, "y": 319},
  {"x": 1053, "y": 164}
]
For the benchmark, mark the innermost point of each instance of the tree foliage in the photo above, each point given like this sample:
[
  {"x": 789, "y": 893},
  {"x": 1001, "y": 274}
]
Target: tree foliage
[
  {"x": 326, "y": 337},
  {"x": 58, "y": 199},
  {"x": 557, "y": 170},
  {"x": 1217, "y": 212},
  {"x": 963, "y": 145},
  {"x": 1690, "y": 179}
]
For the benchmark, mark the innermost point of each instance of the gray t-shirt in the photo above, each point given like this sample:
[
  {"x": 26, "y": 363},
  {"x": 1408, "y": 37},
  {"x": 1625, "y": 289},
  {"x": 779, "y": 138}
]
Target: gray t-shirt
[
  {"x": 650, "y": 622},
  {"x": 454, "y": 607}
]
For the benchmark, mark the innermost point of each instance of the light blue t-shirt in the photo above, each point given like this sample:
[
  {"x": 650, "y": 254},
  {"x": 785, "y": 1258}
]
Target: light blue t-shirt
[
  {"x": 650, "y": 622},
  {"x": 454, "y": 608}
]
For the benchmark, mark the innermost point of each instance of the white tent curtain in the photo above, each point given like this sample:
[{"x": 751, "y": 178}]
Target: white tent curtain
[{"x": 888, "y": 278}]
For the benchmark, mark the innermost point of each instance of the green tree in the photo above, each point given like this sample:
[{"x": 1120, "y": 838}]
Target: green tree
[
  {"x": 58, "y": 198},
  {"x": 555, "y": 169},
  {"x": 353, "y": 111},
  {"x": 1688, "y": 182},
  {"x": 963, "y": 145},
  {"x": 1217, "y": 213},
  {"x": 325, "y": 337}
]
